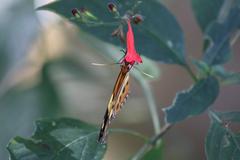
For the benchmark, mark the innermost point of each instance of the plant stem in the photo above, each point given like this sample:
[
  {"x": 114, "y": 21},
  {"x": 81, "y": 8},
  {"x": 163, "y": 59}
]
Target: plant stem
[
  {"x": 235, "y": 38},
  {"x": 151, "y": 143},
  {"x": 189, "y": 70},
  {"x": 215, "y": 116},
  {"x": 130, "y": 132},
  {"x": 151, "y": 104}
]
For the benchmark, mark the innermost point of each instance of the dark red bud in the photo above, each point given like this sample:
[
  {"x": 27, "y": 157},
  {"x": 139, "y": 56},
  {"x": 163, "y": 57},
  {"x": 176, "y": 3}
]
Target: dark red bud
[
  {"x": 75, "y": 12},
  {"x": 112, "y": 7},
  {"x": 137, "y": 18}
]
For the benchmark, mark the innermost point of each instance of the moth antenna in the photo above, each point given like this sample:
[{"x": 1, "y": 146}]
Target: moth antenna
[
  {"x": 144, "y": 73},
  {"x": 123, "y": 50},
  {"x": 103, "y": 64}
]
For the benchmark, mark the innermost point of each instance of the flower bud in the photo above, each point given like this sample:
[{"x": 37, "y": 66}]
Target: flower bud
[
  {"x": 137, "y": 18},
  {"x": 112, "y": 7},
  {"x": 75, "y": 12}
]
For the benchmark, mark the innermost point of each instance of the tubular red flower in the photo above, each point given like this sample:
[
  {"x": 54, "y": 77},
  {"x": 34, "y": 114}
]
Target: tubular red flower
[{"x": 131, "y": 54}]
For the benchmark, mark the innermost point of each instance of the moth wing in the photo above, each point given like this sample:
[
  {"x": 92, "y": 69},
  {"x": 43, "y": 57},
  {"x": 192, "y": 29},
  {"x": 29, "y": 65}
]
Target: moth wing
[
  {"x": 121, "y": 97},
  {"x": 118, "y": 97}
]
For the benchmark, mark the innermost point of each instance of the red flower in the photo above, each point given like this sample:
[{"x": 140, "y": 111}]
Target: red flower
[{"x": 131, "y": 54}]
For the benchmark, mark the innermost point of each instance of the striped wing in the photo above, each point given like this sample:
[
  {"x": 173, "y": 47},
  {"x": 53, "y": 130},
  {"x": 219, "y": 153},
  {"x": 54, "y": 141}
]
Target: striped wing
[{"x": 118, "y": 98}]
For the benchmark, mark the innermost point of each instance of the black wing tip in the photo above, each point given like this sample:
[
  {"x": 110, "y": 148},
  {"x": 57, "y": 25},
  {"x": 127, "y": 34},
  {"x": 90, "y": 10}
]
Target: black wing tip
[
  {"x": 102, "y": 141},
  {"x": 102, "y": 138}
]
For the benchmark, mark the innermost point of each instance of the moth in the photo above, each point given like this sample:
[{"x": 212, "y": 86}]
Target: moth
[{"x": 121, "y": 88}]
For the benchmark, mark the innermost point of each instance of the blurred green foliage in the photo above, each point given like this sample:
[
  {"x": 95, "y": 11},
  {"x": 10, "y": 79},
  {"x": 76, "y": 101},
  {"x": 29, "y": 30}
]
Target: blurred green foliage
[
  {"x": 58, "y": 139},
  {"x": 158, "y": 37},
  {"x": 18, "y": 109}
]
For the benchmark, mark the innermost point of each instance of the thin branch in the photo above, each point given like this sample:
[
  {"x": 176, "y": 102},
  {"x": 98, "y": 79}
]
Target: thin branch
[
  {"x": 130, "y": 132},
  {"x": 215, "y": 116},
  {"x": 191, "y": 73},
  {"x": 151, "y": 104},
  {"x": 235, "y": 38},
  {"x": 152, "y": 142}
]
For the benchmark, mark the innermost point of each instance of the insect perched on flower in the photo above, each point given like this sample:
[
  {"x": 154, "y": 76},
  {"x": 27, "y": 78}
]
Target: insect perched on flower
[{"x": 121, "y": 87}]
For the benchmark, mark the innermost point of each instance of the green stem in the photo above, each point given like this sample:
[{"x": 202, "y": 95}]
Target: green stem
[
  {"x": 191, "y": 73},
  {"x": 130, "y": 132},
  {"x": 151, "y": 104},
  {"x": 235, "y": 38},
  {"x": 151, "y": 143},
  {"x": 215, "y": 116}
]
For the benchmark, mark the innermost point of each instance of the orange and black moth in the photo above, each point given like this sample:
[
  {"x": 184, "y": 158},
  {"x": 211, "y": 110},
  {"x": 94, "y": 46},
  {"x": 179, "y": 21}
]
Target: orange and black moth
[{"x": 121, "y": 88}]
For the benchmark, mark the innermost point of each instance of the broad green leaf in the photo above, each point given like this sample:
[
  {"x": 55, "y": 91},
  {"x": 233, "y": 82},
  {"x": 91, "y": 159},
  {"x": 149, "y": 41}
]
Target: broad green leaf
[
  {"x": 219, "y": 34},
  {"x": 158, "y": 37},
  {"x": 155, "y": 153},
  {"x": 226, "y": 77},
  {"x": 58, "y": 139},
  {"x": 206, "y": 11},
  {"x": 229, "y": 116},
  {"x": 221, "y": 142},
  {"x": 218, "y": 20},
  {"x": 193, "y": 101},
  {"x": 219, "y": 52}
]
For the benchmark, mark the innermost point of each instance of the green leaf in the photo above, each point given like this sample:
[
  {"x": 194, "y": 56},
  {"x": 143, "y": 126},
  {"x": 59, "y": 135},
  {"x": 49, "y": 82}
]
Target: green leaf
[
  {"x": 58, "y": 139},
  {"x": 158, "y": 37},
  {"x": 218, "y": 20},
  {"x": 206, "y": 11},
  {"x": 219, "y": 52},
  {"x": 155, "y": 153},
  {"x": 226, "y": 77},
  {"x": 219, "y": 34},
  {"x": 194, "y": 101},
  {"x": 221, "y": 142},
  {"x": 229, "y": 116}
]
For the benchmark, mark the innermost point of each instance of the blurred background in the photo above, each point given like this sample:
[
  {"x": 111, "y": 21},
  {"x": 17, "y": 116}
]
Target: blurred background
[{"x": 46, "y": 71}]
